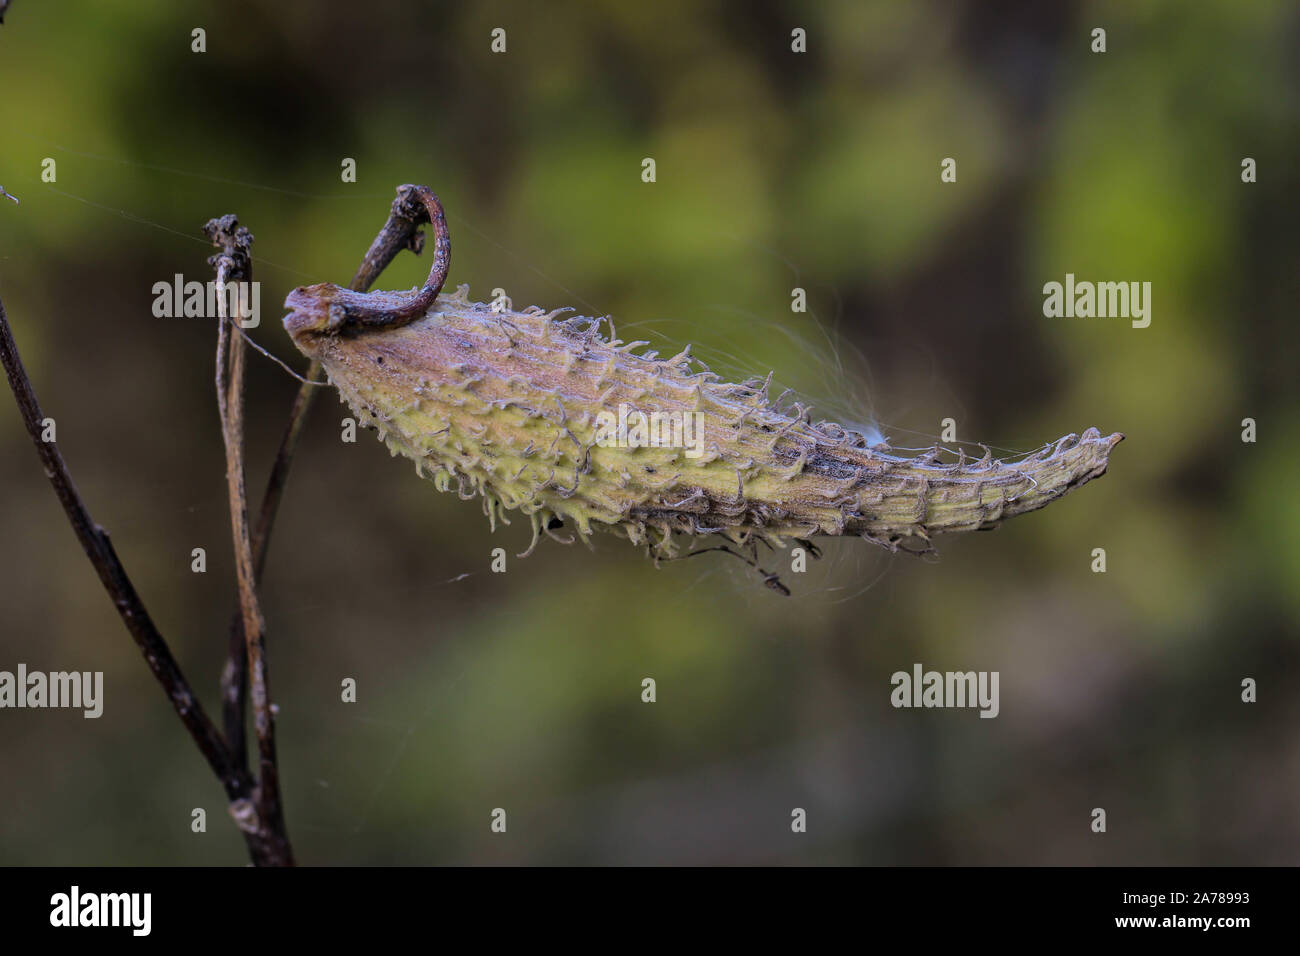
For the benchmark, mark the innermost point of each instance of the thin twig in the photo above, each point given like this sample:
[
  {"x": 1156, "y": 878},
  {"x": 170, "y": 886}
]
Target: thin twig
[
  {"x": 401, "y": 231},
  {"x": 99, "y": 549},
  {"x": 233, "y": 266}
]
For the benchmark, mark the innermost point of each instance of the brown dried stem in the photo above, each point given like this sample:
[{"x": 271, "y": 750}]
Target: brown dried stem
[
  {"x": 99, "y": 549},
  {"x": 401, "y": 231},
  {"x": 233, "y": 265}
]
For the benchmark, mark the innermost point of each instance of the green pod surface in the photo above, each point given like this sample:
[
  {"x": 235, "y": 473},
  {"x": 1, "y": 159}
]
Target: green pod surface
[{"x": 515, "y": 406}]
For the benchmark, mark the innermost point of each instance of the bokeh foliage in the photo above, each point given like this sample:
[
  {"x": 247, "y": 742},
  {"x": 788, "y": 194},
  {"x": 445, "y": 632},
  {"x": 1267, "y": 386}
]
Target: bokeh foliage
[{"x": 774, "y": 170}]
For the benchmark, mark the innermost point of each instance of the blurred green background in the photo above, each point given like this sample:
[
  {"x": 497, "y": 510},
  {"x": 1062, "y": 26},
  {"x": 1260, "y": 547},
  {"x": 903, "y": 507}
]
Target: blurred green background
[{"x": 522, "y": 690}]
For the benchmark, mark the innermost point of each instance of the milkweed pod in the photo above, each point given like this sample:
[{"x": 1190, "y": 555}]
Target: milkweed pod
[{"x": 542, "y": 414}]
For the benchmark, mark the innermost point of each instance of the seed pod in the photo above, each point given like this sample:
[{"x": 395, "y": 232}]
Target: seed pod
[{"x": 516, "y": 407}]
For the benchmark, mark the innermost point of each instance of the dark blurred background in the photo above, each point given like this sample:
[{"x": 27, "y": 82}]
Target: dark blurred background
[{"x": 522, "y": 690}]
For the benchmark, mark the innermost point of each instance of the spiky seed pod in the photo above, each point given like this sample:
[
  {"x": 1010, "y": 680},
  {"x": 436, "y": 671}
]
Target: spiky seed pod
[{"x": 514, "y": 406}]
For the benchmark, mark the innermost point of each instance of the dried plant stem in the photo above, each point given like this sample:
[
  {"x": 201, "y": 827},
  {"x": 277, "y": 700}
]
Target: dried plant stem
[
  {"x": 99, "y": 549},
  {"x": 233, "y": 265},
  {"x": 401, "y": 231}
]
